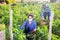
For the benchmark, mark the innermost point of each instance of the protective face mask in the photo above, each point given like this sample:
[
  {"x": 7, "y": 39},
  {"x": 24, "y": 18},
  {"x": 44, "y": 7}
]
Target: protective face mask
[{"x": 30, "y": 20}]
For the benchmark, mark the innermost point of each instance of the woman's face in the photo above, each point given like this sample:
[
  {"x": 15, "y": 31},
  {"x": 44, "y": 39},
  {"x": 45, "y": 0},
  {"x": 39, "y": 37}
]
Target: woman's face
[{"x": 30, "y": 18}]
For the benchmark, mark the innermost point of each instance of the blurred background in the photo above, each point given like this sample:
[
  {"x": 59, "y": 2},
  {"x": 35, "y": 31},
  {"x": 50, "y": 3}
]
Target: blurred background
[{"x": 20, "y": 10}]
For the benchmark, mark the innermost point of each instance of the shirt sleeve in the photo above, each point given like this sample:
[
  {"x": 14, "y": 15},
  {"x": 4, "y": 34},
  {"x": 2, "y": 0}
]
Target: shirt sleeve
[
  {"x": 24, "y": 24},
  {"x": 35, "y": 25}
]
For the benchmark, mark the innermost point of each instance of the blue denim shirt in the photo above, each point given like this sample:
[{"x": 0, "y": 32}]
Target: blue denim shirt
[{"x": 29, "y": 27}]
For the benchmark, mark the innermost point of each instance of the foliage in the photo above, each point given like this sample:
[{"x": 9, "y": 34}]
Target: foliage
[
  {"x": 2, "y": 27},
  {"x": 56, "y": 27},
  {"x": 11, "y": 1},
  {"x": 42, "y": 33},
  {"x": 55, "y": 37}
]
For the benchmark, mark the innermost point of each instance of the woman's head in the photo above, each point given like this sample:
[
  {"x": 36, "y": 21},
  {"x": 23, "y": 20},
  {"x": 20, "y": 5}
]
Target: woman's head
[
  {"x": 30, "y": 17},
  {"x": 44, "y": 6}
]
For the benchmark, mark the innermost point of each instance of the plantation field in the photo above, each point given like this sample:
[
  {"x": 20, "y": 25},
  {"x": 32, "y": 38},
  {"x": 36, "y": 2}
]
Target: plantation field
[{"x": 20, "y": 12}]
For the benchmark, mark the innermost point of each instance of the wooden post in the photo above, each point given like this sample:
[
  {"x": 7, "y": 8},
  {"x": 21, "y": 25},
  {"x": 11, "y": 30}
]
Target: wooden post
[
  {"x": 10, "y": 28},
  {"x": 50, "y": 25},
  {"x": 2, "y": 35},
  {"x": 2, "y": 31}
]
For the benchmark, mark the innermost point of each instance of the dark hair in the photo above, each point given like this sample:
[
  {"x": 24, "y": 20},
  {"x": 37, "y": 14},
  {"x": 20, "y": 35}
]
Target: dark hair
[{"x": 30, "y": 15}]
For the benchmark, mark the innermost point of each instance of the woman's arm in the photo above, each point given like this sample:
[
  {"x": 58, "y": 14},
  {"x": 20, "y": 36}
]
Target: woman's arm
[
  {"x": 24, "y": 24},
  {"x": 35, "y": 25}
]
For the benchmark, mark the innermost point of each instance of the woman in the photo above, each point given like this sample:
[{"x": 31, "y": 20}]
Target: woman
[
  {"x": 29, "y": 25},
  {"x": 45, "y": 12}
]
